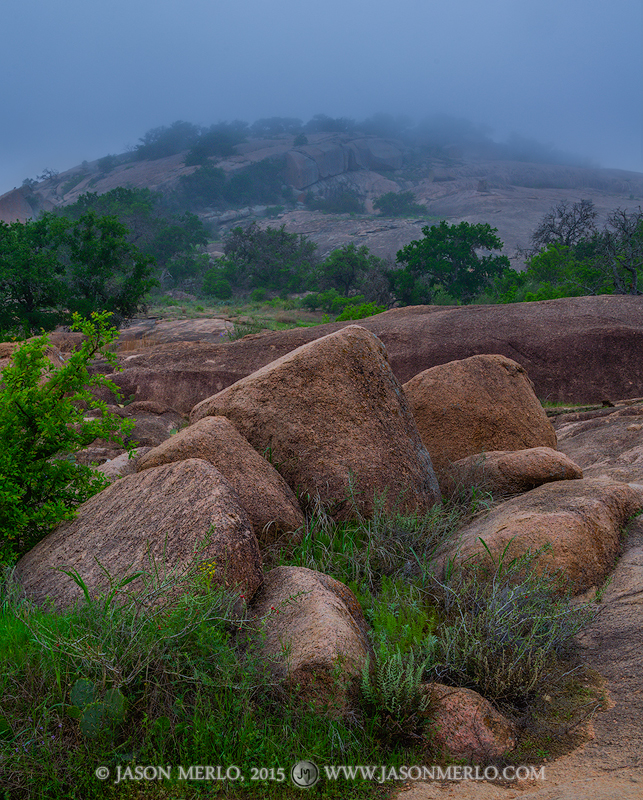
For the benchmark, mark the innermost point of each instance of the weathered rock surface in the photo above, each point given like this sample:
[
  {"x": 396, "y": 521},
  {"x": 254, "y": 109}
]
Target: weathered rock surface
[
  {"x": 335, "y": 421},
  {"x": 484, "y": 402},
  {"x": 52, "y": 354},
  {"x": 307, "y": 624},
  {"x": 468, "y": 726},
  {"x": 324, "y": 159},
  {"x": 264, "y": 495},
  {"x": 513, "y": 471},
  {"x": 580, "y": 519},
  {"x": 610, "y": 765},
  {"x": 122, "y": 464},
  {"x": 576, "y": 349},
  {"x": 154, "y": 422},
  {"x": 170, "y": 510},
  {"x": 607, "y": 444}
]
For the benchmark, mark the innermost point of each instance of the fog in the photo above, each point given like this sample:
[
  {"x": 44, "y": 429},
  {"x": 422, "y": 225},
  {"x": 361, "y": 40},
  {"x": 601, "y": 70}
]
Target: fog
[{"x": 80, "y": 80}]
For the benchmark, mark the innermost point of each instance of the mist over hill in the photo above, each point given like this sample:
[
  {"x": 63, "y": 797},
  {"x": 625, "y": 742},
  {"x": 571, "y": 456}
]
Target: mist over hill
[{"x": 322, "y": 177}]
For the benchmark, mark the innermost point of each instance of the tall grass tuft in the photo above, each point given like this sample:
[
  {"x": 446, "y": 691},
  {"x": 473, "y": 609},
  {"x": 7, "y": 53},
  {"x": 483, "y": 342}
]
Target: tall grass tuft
[{"x": 506, "y": 627}]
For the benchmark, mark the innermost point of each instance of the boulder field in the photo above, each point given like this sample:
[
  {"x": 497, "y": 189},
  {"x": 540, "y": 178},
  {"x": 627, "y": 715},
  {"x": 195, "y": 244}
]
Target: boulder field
[
  {"x": 329, "y": 422},
  {"x": 576, "y": 349}
]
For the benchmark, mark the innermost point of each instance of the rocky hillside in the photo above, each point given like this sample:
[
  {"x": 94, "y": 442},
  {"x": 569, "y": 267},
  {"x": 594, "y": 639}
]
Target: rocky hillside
[{"x": 511, "y": 195}]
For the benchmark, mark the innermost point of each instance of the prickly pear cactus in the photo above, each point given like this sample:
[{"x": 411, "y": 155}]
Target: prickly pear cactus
[
  {"x": 83, "y": 692},
  {"x": 114, "y": 702},
  {"x": 91, "y": 719},
  {"x": 92, "y": 713}
]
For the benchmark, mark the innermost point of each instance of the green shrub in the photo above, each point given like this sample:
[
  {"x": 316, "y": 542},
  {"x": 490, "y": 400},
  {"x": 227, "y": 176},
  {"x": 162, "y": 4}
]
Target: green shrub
[
  {"x": 339, "y": 202},
  {"x": 506, "y": 626},
  {"x": 360, "y": 311},
  {"x": 179, "y": 683},
  {"x": 42, "y": 424},
  {"x": 393, "y": 693},
  {"x": 215, "y": 285},
  {"x": 399, "y": 204}
]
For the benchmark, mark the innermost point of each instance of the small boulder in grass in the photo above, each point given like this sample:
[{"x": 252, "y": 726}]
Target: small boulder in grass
[
  {"x": 337, "y": 425},
  {"x": 309, "y": 625},
  {"x": 269, "y": 502},
  {"x": 166, "y": 513},
  {"x": 505, "y": 472},
  {"x": 465, "y": 725}
]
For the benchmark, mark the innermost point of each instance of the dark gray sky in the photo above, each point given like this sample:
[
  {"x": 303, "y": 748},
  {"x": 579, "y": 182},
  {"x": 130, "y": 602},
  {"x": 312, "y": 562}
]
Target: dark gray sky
[{"x": 81, "y": 79}]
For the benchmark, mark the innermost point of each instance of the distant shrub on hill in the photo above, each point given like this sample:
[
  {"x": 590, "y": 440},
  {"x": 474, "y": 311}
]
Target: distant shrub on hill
[{"x": 399, "y": 204}]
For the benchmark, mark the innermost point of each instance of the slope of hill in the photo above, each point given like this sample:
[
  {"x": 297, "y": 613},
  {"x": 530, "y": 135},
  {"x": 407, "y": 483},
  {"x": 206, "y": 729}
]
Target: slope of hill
[{"x": 511, "y": 195}]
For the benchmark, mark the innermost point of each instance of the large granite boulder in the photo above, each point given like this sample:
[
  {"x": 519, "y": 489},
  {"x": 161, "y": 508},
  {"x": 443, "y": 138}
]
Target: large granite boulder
[
  {"x": 162, "y": 513},
  {"x": 580, "y": 521},
  {"x": 576, "y": 349},
  {"x": 481, "y": 403},
  {"x": 607, "y": 443},
  {"x": 335, "y": 423},
  {"x": 264, "y": 495}
]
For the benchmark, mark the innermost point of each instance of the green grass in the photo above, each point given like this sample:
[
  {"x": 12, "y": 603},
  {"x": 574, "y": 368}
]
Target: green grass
[{"x": 196, "y": 691}]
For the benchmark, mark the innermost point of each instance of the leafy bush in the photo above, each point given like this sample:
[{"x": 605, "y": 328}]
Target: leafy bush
[
  {"x": 393, "y": 692},
  {"x": 270, "y": 259},
  {"x": 447, "y": 259},
  {"x": 399, "y": 204},
  {"x": 215, "y": 285},
  {"x": 42, "y": 423},
  {"x": 166, "y": 141},
  {"x": 154, "y": 230},
  {"x": 218, "y": 140},
  {"x": 193, "y": 689},
  {"x": 107, "y": 163},
  {"x": 506, "y": 626},
  {"x": 54, "y": 265},
  {"x": 339, "y": 202},
  {"x": 359, "y": 311}
]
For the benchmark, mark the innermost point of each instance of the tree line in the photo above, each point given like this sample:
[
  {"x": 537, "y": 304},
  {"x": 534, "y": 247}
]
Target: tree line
[{"x": 105, "y": 253}]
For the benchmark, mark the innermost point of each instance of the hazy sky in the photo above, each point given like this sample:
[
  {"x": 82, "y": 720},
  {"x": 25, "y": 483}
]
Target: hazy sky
[{"x": 81, "y": 79}]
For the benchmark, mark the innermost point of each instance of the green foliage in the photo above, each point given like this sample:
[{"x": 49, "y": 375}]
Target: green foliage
[
  {"x": 53, "y": 266},
  {"x": 208, "y": 187},
  {"x": 215, "y": 285},
  {"x": 151, "y": 227},
  {"x": 359, "y": 311},
  {"x": 399, "y": 204},
  {"x": 447, "y": 258},
  {"x": 218, "y": 140},
  {"x": 506, "y": 625},
  {"x": 261, "y": 182},
  {"x": 392, "y": 691},
  {"x": 338, "y": 202},
  {"x": 42, "y": 423},
  {"x": 204, "y": 188},
  {"x": 107, "y": 163},
  {"x": 609, "y": 261},
  {"x": 301, "y": 140},
  {"x": 166, "y": 141},
  {"x": 72, "y": 182},
  {"x": 270, "y": 259},
  {"x": 197, "y": 691},
  {"x": 32, "y": 277},
  {"x": 347, "y": 267},
  {"x": 94, "y": 714}
]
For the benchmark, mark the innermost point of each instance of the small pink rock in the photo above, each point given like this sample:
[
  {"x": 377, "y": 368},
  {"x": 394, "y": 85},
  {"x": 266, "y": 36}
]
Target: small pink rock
[{"x": 467, "y": 726}]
